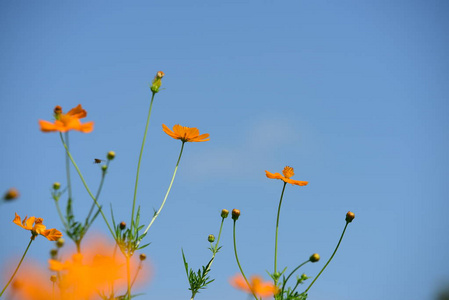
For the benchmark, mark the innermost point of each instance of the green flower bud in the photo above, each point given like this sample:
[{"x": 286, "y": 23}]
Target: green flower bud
[
  {"x": 104, "y": 168},
  {"x": 224, "y": 213},
  {"x": 111, "y": 155},
  {"x": 315, "y": 257},
  {"x": 56, "y": 186},
  {"x": 53, "y": 253},
  {"x": 60, "y": 242},
  {"x": 211, "y": 238},
  {"x": 156, "y": 84},
  {"x": 350, "y": 216},
  {"x": 235, "y": 214}
]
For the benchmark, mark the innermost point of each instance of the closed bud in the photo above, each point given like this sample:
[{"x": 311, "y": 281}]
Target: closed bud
[
  {"x": 224, "y": 213},
  {"x": 304, "y": 276},
  {"x": 57, "y": 110},
  {"x": 53, "y": 278},
  {"x": 314, "y": 257},
  {"x": 350, "y": 216},
  {"x": 142, "y": 256},
  {"x": 111, "y": 155},
  {"x": 60, "y": 242},
  {"x": 211, "y": 238},
  {"x": 122, "y": 225},
  {"x": 56, "y": 186},
  {"x": 53, "y": 253},
  {"x": 235, "y": 214},
  {"x": 11, "y": 194},
  {"x": 104, "y": 168},
  {"x": 156, "y": 84}
]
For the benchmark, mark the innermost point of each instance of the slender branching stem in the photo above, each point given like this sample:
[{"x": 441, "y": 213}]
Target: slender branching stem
[
  {"x": 332, "y": 256},
  {"x": 156, "y": 214},
  {"x": 103, "y": 175},
  {"x": 87, "y": 187},
  {"x": 60, "y": 214},
  {"x": 276, "y": 236},
  {"x": 67, "y": 165},
  {"x": 18, "y": 266},
  {"x": 140, "y": 160},
  {"x": 288, "y": 277},
  {"x": 238, "y": 263}
]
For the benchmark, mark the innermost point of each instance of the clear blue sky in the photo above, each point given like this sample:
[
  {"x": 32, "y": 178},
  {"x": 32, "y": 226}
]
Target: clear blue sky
[{"x": 353, "y": 94}]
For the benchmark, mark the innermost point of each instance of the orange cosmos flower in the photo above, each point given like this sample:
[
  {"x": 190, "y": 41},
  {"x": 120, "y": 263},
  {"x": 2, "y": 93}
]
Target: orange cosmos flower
[
  {"x": 69, "y": 121},
  {"x": 37, "y": 228},
  {"x": 186, "y": 134},
  {"x": 288, "y": 172},
  {"x": 259, "y": 287}
]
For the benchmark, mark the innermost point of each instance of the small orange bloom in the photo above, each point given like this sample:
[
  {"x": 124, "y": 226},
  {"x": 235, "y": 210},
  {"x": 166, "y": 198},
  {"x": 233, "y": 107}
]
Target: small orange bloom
[
  {"x": 259, "y": 287},
  {"x": 288, "y": 172},
  {"x": 69, "y": 121},
  {"x": 185, "y": 134},
  {"x": 37, "y": 228}
]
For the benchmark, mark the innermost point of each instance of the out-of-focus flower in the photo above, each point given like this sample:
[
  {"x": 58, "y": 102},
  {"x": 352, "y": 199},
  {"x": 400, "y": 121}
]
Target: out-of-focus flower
[
  {"x": 69, "y": 121},
  {"x": 186, "y": 134},
  {"x": 258, "y": 286},
  {"x": 11, "y": 194},
  {"x": 82, "y": 276},
  {"x": 288, "y": 172},
  {"x": 36, "y": 227}
]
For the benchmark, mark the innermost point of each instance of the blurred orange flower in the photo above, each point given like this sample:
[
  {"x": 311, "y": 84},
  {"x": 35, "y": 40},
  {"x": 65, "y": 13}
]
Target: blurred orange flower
[
  {"x": 186, "y": 134},
  {"x": 259, "y": 287},
  {"x": 288, "y": 172},
  {"x": 37, "y": 228},
  {"x": 69, "y": 121}
]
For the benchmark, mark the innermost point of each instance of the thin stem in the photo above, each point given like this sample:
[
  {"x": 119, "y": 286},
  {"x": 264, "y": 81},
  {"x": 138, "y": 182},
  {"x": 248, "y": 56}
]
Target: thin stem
[
  {"x": 276, "y": 236},
  {"x": 18, "y": 266},
  {"x": 67, "y": 165},
  {"x": 238, "y": 263},
  {"x": 137, "y": 272},
  {"x": 86, "y": 186},
  {"x": 335, "y": 251},
  {"x": 60, "y": 214},
  {"x": 103, "y": 175},
  {"x": 140, "y": 159},
  {"x": 288, "y": 277},
  {"x": 168, "y": 191}
]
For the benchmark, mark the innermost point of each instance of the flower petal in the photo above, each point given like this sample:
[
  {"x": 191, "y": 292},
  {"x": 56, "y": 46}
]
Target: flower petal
[
  {"x": 52, "y": 234},
  {"x": 273, "y": 176},
  {"x": 169, "y": 132},
  {"x": 77, "y": 112},
  {"x": 296, "y": 182}
]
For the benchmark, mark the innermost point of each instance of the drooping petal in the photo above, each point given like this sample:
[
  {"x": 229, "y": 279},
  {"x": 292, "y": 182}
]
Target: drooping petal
[
  {"x": 47, "y": 126},
  {"x": 273, "y": 176},
  {"x": 18, "y": 221},
  {"x": 296, "y": 182},
  {"x": 86, "y": 127},
  {"x": 201, "y": 138},
  {"x": 169, "y": 132}
]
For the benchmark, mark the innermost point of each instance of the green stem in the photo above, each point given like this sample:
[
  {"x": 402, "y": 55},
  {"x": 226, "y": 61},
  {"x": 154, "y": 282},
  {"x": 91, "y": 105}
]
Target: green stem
[
  {"x": 18, "y": 266},
  {"x": 238, "y": 263},
  {"x": 335, "y": 251},
  {"x": 140, "y": 159},
  {"x": 60, "y": 214},
  {"x": 276, "y": 236},
  {"x": 288, "y": 277},
  {"x": 87, "y": 187},
  {"x": 168, "y": 191},
  {"x": 103, "y": 175},
  {"x": 67, "y": 165}
]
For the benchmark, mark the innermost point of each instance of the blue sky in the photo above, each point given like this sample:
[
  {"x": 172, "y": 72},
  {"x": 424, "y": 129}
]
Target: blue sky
[{"x": 352, "y": 94}]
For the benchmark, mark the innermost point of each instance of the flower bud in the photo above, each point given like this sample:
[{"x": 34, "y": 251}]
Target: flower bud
[
  {"x": 211, "y": 238},
  {"x": 57, "y": 110},
  {"x": 53, "y": 253},
  {"x": 104, "y": 168},
  {"x": 350, "y": 216},
  {"x": 314, "y": 257},
  {"x": 53, "y": 278},
  {"x": 235, "y": 214},
  {"x": 56, "y": 186},
  {"x": 11, "y": 194},
  {"x": 224, "y": 213},
  {"x": 60, "y": 242},
  {"x": 156, "y": 84},
  {"x": 122, "y": 225},
  {"x": 304, "y": 276},
  {"x": 111, "y": 155},
  {"x": 142, "y": 256}
]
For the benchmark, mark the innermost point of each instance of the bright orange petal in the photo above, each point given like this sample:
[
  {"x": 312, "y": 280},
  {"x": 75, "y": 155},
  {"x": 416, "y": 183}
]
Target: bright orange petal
[
  {"x": 201, "y": 138},
  {"x": 39, "y": 228},
  {"x": 169, "y": 132},
  {"x": 288, "y": 172},
  {"x": 77, "y": 112},
  {"x": 191, "y": 133},
  {"x": 52, "y": 234},
  {"x": 239, "y": 283},
  {"x": 28, "y": 224},
  {"x": 273, "y": 176},
  {"x": 55, "y": 265},
  {"x": 86, "y": 127},
  {"x": 296, "y": 182},
  {"x": 47, "y": 126},
  {"x": 18, "y": 221}
]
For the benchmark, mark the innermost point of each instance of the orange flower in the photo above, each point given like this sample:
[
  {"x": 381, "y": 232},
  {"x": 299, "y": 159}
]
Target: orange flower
[
  {"x": 186, "y": 134},
  {"x": 288, "y": 172},
  {"x": 37, "y": 228},
  {"x": 260, "y": 288},
  {"x": 69, "y": 121}
]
